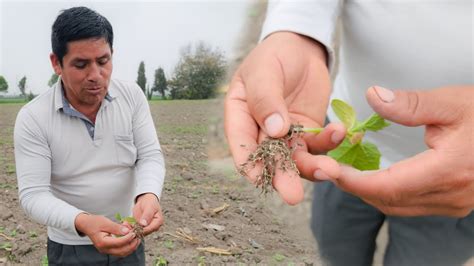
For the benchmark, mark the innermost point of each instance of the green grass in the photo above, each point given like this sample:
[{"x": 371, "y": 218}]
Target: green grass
[
  {"x": 169, "y": 244},
  {"x": 279, "y": 257},
  {"x": 10, "y": 169},
  {"x": 12, "y": 100}
]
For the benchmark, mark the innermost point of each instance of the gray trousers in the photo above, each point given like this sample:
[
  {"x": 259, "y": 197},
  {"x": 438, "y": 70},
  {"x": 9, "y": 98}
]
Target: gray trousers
[
  {"x": 60, "y": 254},
  {"x": 345, "y": 229}
]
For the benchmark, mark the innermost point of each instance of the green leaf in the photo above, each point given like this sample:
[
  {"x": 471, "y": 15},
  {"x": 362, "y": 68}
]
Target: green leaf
[
  {"x": 344, "y": 112},
  {"x": 279, "y": 257},
  {"x": 374, "y": 123},
  {"x": 362, "y": 156},
  {"x": 129, "y": 220},
  {"x": 118, "y": 217}
]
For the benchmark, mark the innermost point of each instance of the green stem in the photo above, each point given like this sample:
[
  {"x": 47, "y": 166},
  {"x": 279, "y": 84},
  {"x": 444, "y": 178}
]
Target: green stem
[{"x": 315, "y": 130}]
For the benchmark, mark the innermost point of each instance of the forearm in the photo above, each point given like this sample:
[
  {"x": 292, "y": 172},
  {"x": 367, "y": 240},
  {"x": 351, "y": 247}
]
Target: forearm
[{"x": 43, "y": 207}]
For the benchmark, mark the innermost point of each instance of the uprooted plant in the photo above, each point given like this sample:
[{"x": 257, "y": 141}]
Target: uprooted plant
[
  {"x": 276, "y": 153},
  {"x": 136, "y": 227}
]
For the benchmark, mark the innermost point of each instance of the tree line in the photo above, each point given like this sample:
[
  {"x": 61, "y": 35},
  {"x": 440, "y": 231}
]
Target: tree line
[{"x": 199, "y": 72}]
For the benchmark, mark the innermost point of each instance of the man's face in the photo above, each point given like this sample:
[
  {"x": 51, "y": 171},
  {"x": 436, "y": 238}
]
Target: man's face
[{"x": 85, "y": 71}]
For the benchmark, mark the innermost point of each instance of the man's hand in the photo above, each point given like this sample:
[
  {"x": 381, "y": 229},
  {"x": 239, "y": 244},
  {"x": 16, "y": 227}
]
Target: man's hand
[
  {"x": 103, "y": 233},
  {"x": 439, "y": 181},
  {"x": 283, "y": 80},
  {"x": 147, "y": 212}
]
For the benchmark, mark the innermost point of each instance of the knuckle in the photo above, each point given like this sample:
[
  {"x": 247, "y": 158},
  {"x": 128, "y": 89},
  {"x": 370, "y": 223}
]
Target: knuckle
[
  {"x": 465, "y": 212},
  {"x": 460, "y": 213},
  {"x": 413, "y": 101},
  {"x": 99, "y": 246},
  {"x": 259, "y": 103}
]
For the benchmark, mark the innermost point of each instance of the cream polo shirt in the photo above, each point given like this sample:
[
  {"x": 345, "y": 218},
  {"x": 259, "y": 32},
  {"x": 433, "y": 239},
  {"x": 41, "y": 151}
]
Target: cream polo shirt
[
  {"x": 398, "y": 44},
  {"x": 63, "y": 171}
]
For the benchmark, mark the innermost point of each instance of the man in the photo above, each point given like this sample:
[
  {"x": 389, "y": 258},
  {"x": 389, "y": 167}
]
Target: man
[
  {"x": 399, "y": 44},
  {"x": 87, "y": 149}
]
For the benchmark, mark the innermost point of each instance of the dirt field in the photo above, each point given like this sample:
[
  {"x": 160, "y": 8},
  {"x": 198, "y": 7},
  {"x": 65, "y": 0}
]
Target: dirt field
[{"x": 203, "y": 206}]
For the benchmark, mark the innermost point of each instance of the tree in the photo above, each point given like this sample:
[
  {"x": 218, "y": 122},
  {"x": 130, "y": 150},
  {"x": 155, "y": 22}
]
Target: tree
[
  {"x": 149, "y": 93},
  {"x": 53, "y": 79},
  {"x": 3, "y": 84},
  {"x": 198, "y": 73},
  {"x": 22, "y": 85},
  {"x": 160, "y": 84},
  {"x": 141, "y": 79},
  {"x": 30, "y": 96}
]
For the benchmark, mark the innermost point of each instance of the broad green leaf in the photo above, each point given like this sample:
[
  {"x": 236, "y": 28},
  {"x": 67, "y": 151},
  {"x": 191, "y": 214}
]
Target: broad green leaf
[
  {"x": 344, "y": 112},
  {"x": 362, "y": 156},
  {"x": 118, "y": 217},
  {"x": 375, "y": 123},
  {"x": 130, "y": 220}
]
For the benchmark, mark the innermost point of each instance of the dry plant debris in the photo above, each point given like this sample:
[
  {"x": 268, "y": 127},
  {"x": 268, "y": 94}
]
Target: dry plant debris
[
  {"x": 215, "y": 250},
  {"x": 273, "y": 154},
  {"x": 180, "y": 234}
]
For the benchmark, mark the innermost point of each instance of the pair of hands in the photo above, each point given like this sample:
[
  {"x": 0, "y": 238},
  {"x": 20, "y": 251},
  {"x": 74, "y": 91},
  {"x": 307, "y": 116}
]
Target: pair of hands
[
  {"x": 102, "y": 231},
  {"x": 285, "y": 79}
]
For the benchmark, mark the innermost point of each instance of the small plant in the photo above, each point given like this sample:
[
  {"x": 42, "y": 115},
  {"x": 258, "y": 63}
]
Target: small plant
[
  {"x": 201, "y": 260},
  {"x": 275, "y": 153},
  {"x": 279, "y": 257},
  {"x": 160, "y": 261},
  {"x": 352, "y": 151},
  {"x": 7, "y": 246},
  {"x": 13, "y": 233},
  {"x": 44, "y": 260},
  {"x": 33, "y": 234},
  {"x": 169, "y": 244},
  {"x": 215, "y": 189},
  {"x": 137, "y": 228}
]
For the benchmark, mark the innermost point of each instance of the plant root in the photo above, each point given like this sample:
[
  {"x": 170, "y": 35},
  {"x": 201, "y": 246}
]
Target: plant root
[{"x": 273, "y": 153}]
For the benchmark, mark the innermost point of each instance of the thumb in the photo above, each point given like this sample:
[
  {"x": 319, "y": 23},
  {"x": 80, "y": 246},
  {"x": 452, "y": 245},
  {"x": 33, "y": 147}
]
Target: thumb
[
  {"x": 264, "y": 88},
  {"x": 146, "y": 216},
  {"x": 411, "y": 108},
  {"x": 114, "y": 228}
]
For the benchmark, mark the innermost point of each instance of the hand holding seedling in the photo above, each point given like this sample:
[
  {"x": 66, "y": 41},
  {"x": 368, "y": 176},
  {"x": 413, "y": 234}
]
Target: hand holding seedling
[
  {"x": 103, "y": 232},
  {"x": 283, "y": 80},
  {"x": 439, "y": 181},
  {"x": 147, "y": 212}
]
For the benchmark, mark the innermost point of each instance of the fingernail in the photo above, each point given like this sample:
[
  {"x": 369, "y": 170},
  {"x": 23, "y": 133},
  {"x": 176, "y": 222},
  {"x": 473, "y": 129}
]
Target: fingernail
[
  {"x": 143, "y": 222},
  {"x": 320, "y": 175},
  {"x": 384, "y": 94},
  {"x": 124, "y": 230},
  {"x": 273, "y": 124},
  {"x": 337, "y": 136}
]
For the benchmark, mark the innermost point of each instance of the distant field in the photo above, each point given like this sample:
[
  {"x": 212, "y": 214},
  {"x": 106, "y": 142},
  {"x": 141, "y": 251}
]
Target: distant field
[{"x": 12, "y": 100}]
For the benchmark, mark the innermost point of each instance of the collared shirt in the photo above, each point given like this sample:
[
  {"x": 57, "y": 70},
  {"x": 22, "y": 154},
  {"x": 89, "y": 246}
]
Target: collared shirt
[
  {"x": 69, "y": 110},
  {"x": 62, "y": 171}
]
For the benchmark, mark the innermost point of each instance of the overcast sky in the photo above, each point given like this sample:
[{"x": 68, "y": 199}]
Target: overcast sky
[{"x": 152, "y": 31}]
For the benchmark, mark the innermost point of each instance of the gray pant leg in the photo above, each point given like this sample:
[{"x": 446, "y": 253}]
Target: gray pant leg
[
  {"x": 430, "y": 241},
  {"x": 344, "y": 226},
  {"x": 60, "y": 254}
]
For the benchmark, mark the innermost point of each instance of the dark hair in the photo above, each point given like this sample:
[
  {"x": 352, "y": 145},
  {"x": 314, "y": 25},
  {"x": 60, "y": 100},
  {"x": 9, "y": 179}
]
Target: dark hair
[{"x": 78, "y": 23}]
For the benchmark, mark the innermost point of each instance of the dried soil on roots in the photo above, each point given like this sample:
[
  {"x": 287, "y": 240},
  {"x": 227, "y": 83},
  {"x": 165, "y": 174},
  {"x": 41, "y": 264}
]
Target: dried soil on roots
[{"x": 273, "y": 154}]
